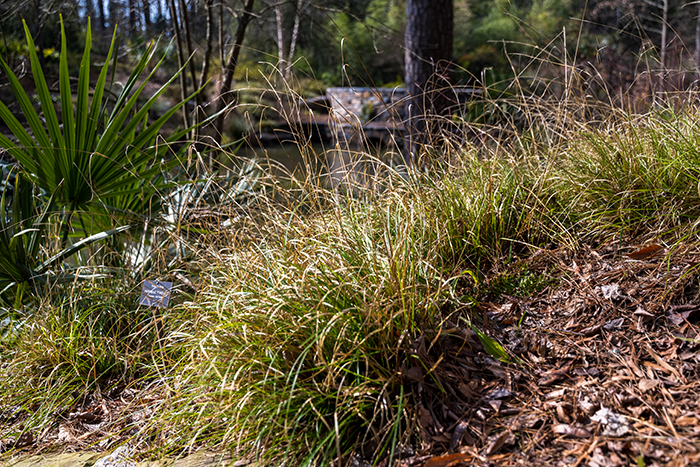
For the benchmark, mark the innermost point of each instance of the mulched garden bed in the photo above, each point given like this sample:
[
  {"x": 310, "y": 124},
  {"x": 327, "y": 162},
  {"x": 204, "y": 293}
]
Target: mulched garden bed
[
  {"x": 608, "y": 370},
  {"x": 605, "y": 372}
]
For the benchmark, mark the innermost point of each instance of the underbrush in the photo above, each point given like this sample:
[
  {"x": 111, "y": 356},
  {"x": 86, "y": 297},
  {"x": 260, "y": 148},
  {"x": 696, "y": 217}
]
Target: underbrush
[{"x": 318, "y": 326}]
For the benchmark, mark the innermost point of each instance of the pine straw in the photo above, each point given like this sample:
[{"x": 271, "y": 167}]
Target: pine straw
[{"x": 614, "y": 334}]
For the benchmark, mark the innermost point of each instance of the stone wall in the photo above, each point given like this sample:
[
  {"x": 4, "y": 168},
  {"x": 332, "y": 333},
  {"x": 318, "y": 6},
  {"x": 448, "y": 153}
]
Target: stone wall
[{"x": 350, "y": 105}]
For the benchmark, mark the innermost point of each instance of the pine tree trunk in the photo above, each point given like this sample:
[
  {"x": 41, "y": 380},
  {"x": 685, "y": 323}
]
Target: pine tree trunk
[{"x": 429, "y": 32}]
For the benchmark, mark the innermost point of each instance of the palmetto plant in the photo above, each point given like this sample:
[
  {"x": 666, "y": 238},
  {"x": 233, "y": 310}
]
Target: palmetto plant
[
  {"x": 23, "y": 226},
  {"x": 104, "y": 154},
  {"x": 100, "y": 166}
]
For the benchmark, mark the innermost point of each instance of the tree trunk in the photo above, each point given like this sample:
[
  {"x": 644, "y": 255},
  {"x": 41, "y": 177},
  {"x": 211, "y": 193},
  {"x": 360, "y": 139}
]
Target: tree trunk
[
  {"x": 429, "y": 31},
  {"x": 188, "y": 40},
  {"x": 221, "y": 35},
  {"x": 664, "y": 36},
  {"x": 180, "y": 61},
  {"x": 294, "y": 39},
  {"x": 280, "y": 37},
  {"x": 132, "y": 16},
  {"x": 37, "y": 36},
  {"x": 114, "y": 9},
  {"x": 210, "y": 40},
  {"x": 90, "y": 9},
  {"x": 146, "y": 15},
  {"x": 100, "y": 15},
  {"x": 225, "y": 97}
]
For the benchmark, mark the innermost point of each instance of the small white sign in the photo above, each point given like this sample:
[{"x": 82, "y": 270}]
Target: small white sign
[{"x": 156, "y": 293}]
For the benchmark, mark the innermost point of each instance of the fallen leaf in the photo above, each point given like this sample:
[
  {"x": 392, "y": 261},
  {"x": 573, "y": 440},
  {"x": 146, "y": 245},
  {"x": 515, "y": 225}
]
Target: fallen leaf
[
  {"x": 448, "y": 460},
  {"x": 499, "y": 393},
  {"x": 687, "y": 421},
  {"x": 65, "y": 435},
  {"x": 25, "y": 439},
  {"x": 457, "y": 434},
  {"x": 614, "y": 424},
  {"x": 574, "y": 432},
  {"x": 679, "y": 314},
  {"x": 610, "y": 291},
  {"x": 614, "y": 324},
  {"x": 497, "y": 443},
  {"x": 645, "y": 253},
  {"x": 415, "y": 373},
  {"x": 646, "y": 384},
  {"x": 554, "y": 376},
  {"x": 662, "y": 363}
]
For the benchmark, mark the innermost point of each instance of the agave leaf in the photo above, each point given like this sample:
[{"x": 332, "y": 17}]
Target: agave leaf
[{"x": 71, "y": 250}]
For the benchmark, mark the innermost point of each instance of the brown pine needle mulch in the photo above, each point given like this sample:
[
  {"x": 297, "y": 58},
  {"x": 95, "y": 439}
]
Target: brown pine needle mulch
[
  {"x": 608, "y": 371},
  {"x": 605, "y": 372}
]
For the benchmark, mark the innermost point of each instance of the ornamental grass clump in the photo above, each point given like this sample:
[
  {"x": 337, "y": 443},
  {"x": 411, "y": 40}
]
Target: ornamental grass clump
[{"x": 636, "y": 176}]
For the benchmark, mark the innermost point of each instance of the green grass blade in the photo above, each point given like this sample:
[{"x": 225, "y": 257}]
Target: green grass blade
[{"x": 493, "y": 347}]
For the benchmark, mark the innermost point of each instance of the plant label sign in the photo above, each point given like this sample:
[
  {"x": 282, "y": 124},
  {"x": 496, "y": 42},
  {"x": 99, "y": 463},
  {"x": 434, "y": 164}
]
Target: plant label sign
[{"x": 156, "y": 293}]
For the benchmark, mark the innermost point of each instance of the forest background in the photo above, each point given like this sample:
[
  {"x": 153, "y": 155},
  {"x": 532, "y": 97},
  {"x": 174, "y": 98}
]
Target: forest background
[{"x": 358, "y": 42}]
